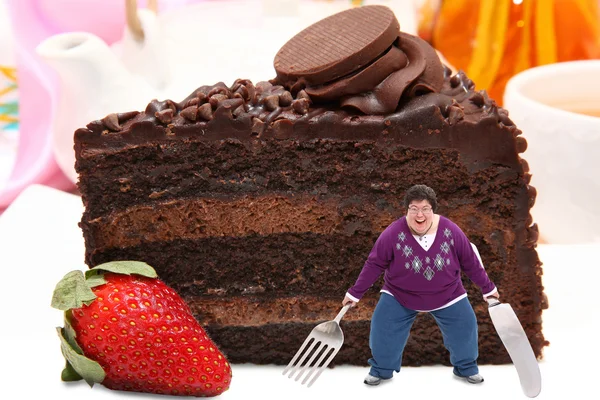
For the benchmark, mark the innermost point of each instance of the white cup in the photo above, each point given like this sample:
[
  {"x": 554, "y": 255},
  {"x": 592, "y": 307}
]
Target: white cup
[{"x": 563, "y": 146}]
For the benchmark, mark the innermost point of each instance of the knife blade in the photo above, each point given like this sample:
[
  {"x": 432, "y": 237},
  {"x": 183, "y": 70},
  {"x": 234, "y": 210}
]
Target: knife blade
[{"x": 517, "y": 344}]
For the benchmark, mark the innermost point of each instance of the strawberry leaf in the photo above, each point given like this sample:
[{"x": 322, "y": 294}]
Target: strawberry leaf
[
  {"x": 69, "y": 333},
  {"x": 69, "y": 374},
  {"x": 95, "y": 280},
  {"x": 87, "y": 369},
  {"x": 122, "y": 267},
  {"x": 72, "y": 292}
]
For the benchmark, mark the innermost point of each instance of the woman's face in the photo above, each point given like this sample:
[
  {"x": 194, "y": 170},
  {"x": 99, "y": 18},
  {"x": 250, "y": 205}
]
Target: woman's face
[{"x": 419, "y": 216}]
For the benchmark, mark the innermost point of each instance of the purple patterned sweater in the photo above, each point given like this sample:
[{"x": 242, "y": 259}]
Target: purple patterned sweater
[{"x": 421, "y": 279}]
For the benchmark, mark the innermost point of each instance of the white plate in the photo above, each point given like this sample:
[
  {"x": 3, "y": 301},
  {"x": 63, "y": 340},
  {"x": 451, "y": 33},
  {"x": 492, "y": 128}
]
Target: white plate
[{"x": 40, "y": 242}]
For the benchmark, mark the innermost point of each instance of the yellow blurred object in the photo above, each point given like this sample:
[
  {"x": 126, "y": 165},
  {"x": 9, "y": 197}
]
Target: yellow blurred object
[{"x": 492, "y": 40}]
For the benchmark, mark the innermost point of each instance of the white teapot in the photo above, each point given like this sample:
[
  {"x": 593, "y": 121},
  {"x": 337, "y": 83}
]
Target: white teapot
[{"x": 96, "y": 80}]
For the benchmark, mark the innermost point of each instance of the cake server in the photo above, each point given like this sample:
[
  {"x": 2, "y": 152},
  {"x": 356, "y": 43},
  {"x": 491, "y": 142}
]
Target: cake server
[
  {"x": 516, "y": 343},
  {"x": 324, "y": 341}
]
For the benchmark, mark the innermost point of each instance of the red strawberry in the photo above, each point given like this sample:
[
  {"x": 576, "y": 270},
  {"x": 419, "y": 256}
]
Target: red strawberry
[{"x": 132, "y": 332}]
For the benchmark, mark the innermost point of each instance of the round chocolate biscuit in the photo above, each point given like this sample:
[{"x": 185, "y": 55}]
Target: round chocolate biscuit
[{"x": 337, "y": 45}]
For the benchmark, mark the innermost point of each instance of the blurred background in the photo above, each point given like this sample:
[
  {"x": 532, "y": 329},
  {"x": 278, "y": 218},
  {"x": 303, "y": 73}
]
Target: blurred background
[{"x": 166, "y": 48}]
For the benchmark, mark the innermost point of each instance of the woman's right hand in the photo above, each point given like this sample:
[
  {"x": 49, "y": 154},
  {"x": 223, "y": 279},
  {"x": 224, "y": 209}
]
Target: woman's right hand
[{"x": 348, "y": 300}]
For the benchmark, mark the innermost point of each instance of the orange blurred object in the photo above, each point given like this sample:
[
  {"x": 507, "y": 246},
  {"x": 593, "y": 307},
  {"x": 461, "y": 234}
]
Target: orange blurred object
[{"x": 492, "y": 40}]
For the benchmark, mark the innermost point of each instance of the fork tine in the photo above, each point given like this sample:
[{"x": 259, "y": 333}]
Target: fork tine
[
  {"x": 322, "y": 368},
  {"x": 298, "y": 367},
  {"x": 324, "y": 354},
  {"x": 317, "y": 350},
  {"x": 298, "y": 353}
]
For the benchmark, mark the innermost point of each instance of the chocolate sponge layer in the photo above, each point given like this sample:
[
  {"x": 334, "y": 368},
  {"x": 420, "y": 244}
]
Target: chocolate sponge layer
[
  {"x": 277, "y": 343},
  {"x": 276, "y": 329}
]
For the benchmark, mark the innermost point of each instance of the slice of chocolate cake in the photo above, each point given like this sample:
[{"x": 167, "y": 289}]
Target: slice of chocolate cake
[{"x": 260, "y": 202}]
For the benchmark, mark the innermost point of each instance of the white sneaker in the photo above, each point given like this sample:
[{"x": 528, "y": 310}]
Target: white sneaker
[
  {"x": 472, "y": 379},
  {"x": 372, "y": 380}
]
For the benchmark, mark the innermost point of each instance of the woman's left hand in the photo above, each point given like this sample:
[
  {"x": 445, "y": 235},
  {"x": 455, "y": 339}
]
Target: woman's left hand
[{"x": 495, "y": 295}]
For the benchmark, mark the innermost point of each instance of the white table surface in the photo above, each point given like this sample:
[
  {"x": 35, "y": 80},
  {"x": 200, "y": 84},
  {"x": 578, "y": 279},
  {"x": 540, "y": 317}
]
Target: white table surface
[{"x": 40, "y": 242}]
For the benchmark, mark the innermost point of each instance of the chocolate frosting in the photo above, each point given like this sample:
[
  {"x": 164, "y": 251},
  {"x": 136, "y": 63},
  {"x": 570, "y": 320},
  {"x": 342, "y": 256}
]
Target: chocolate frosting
[
  {"x": 409, "y": 68},
  {"x": 423, "y": 73}
]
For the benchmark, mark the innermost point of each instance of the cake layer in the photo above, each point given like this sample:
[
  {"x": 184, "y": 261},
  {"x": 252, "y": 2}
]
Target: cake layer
[
  {"x": 141, "y": 175},
  {"x": 277, "y": 344},
  {"x": 287, "y": 263},
  {"x": 256, "y": 310},
  {"x": 271, "y": 331},
  {"x": 206, "y": 217},
  {"x": 372, "y": 155}
]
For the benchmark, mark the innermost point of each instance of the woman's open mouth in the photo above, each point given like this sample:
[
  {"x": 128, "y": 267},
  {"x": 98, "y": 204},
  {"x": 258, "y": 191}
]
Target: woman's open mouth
[{"x": 420, "y": 224}]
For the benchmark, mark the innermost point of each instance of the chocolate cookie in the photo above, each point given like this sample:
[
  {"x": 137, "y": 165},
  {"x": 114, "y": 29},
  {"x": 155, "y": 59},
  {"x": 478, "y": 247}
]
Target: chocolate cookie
[{"x": 337, "y": 46}]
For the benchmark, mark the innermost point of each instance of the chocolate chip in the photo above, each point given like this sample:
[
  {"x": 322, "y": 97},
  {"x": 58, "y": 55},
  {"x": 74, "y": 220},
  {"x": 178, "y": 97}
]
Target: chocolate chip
[
  {"x": 524, "y": 165},
  {"x": 272, "y": 102},
  {"x": 171, "y": 105},
  {"x": 303, "y": 95},
  {"x": 190, "y": 113},
  {"x": 257, "y": 126},
  {"x": 219, "y": 90},
  {"x": 285, "y": 99},
  {"x": 203, "y": 90},
  {"x": 521, "y": 144},
  {"x": 455, "y": 114},
  {"x": 531, "y": 194},
  {"x": 231, "y": 104},
  {"x": 235, "y": 86},
  {"x": 201, "y": 98},
  {"x": 205, "y": 112},
  {"x": 241, "y": 92},
  {"x": 263, "y": 86},
  {"x": 111, "y": 121},
  {"x": 245, "y": 89},
  {"x": 493, "y": 110},
  {"x": 251, "y": 93},
  {"x": 192, "y": 102},
  {"x": 300, "y": 106},
  {"x": 454, "y": 81},
  {"x": 477, "y": 99},
  {"x": 503, "y": 114},
  {"x": 214, "y": 100},
  {"x": 126, "y": 116},
  {"x": 239, "y": 111},
  {"x": 244, "y": 82},
  {"x": 165, "y": 116}
]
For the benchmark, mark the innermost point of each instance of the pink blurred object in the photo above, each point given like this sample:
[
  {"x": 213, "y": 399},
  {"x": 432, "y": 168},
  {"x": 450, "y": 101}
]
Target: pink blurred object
[{"x": 32, "y": 22}]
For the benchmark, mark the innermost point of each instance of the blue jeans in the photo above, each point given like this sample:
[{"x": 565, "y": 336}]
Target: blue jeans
[{"x": 390, "y": 328}]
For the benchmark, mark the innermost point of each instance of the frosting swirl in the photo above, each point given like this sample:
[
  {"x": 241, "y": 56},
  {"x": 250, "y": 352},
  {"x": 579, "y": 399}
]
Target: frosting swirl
[
  {"x": 424, "y": 73},
  {"x": 410, "y": 67}
]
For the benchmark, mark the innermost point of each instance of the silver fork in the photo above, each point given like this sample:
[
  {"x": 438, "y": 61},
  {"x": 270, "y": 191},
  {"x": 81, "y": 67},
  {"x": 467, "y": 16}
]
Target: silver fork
[{"x": 324, "y": 341}]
